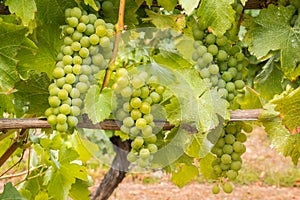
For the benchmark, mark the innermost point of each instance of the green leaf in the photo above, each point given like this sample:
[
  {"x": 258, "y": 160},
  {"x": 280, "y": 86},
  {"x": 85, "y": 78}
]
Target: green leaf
[
  {"x": 289, "y": 107},
  {"x": 280, "y": 137},
  {"x": 67, "y": 155},
  {"x": 6, "y": 104},
  {"x": 175, "y": 22},
  {"x": 218, "y": 15},
  {"x": 185, "y": 174},
  {"x": 274, "y": 33},
  {"x": 189, "y": 5},
  {"x": 250, "y": 100},
  {"x": 92, "y": 4},
  {"x": 11, "y": 37},
  {"x": 33, "y": 93},
  {"x": 25, "y": 9},
  {"x": 149, "y": 3},
  {"x": 167, "y": 4},
  {"x": 268, "y": 81},
  {"x": 42, "y": 57},
  {"x": 10, "y": 193},
  {"x": 98, "y": 106},
  {"x": 42, "y": 195},
  {"x": 79, "y": 190},
  {"x": 84, "y": 148},
  {"x": 169, "y": 59},
  {"x": 205, "y": 165}
]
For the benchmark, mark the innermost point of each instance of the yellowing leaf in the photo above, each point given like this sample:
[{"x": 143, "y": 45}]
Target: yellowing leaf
[
  {"x": 185, "y": 174},
  {"x": 25, "y": 9}
]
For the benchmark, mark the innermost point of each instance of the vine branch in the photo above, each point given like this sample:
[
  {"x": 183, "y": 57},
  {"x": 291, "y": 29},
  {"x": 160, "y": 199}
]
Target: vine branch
[{"x": 120, "y": 27}]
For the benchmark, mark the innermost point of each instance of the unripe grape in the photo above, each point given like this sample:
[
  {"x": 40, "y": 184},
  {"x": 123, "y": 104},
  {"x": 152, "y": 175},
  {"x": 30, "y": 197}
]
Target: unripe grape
[
  {"x": 226, "y": 159},
  {"x": 144, "y": 154},
  {"x": 213, "y": 49},
  {"x": 52, "y": 119},
  {"x": 137, "y": 142},
  {"x": 61, "y": 118},
  {"x": 72, "y": 121},
  {"x": 231, "y": 174},
  {"x": 58, "y": 72},
  {"x": 210, "y": 39},
  {"x": 84, "y": 52},
  {"x": 137, "y": 82},
  {"x": 236, "y": 165},
  {"x": 239, "y": 147},
  {"x": 152, "y": 148},
  {"x": 65, "y": 109},
  {"x": 227, "y": 149},
  {"x": 72, "y": 21},
  {"x": 215, "y": 189},
  {"x": 89, "y": 29},
  {"x": 155, "y": 97},
  {"x": 145, "y": 108},
  {"x": 128, "y": 121},
  {"x": 141, "y": 123},
  {"x": 81, "y": 27},
  {"x": 77, "y": 69},
  {"x": 135, "y": 114},
  {"x": 132, "y": 157},
  {"x": 76, "y": 12},
  {"x": 227, "y": 187},
  {"x": 63, "y": 94},
  {"x": 147, "y": 131},
  {"x": 94, "y": 39}
]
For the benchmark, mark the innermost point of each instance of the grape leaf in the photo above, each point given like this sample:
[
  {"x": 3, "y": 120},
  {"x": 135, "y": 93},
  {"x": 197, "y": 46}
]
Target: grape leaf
[
  {"x": 33, "y": 93},
  {"x": 289, "y": 107},
  {"x": 84, "y": 148},
  {"x": 149, "y": 3},
  {"x": 250, "y": 100},
  {"x": 167, "y": 4},
  {"x": 25, "y": 9},
  {"x": 218, "y": 15},
  {"x": 175, "y": 22},
  {"x": 92, "y": 4},
  {"x": 98, "y": 106},
  {"x": 79, "y": 190},
  {"x": 280, "y": 136},
  {"x": 67, "y": 155},
  {"x": 268, "y": 81},
  {"x": 189, "y": 5},
  {"x": 184, "y": 174},
  {"x": 6, "y": 104},
  {"x": 42, "y": 57},
  {"x": 166, "y": 58},
  {"x": 11, "y": 37},
  {"x": 205, "y": 165},
  {"x": 274, "y": 33},
  {"x": 10, "y": 192}
]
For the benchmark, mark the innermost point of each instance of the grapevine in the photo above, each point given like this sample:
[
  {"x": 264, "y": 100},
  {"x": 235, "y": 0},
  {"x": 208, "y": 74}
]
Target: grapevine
[{"x": 171, "y": 84}]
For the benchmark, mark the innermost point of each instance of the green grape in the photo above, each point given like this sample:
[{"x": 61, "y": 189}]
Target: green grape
[
  {"x": 101, "y": 30},
  {"x": 239, "y": 84},
  {"x": 144, "y": 154},
  {"x": 68, "y": 69},
  {"x": 99, "y": 22},
  {"x": 231, "y": 174},
  {"x": 135, "y": 102},
  {"x": 152, "y": 148},
  {"x": 75, "y": 111},
  {"x": 147, "y": 131},
  {"x": 76, "y": 46},
  {"x": 232, "y": 62},
  {"x": 215, "y": 189},
  {"x": 62, "y": 127},
  {"x": 76, "y": 101},
  {"x": 84, "y": 52},
  {"x": 220, "y": 143},
  {"x": 213, "y": 49},
  {"x": 67, "y": 60},
  {"x": 83, "y": 78},
  {"x": 207, "y": 57},
  {"x": 70, "y": 78},
  {"x": 241, "y": 137},
  {"x": 198, "y": 34},
  {"x": 137, "y": 82},
  {"x": 89, "y": 29},
  {"x": 223, "y": 66},
  {"x": 213, "y": 69},
  {"x": 52, "y": 119},
  {"x": 151, "y": 139},
  {"x": 92, "y": 18},
  {"x": 65, "y": 109},
  {"x": 227, "y": 76},
  {"x": 140, "y": 123},
  {"x": 227, "y": 149},
  {"x": 225, "y": 167},
  {"x": 67, "y": 50},
  {"x": 132, "y": 157},
  {"x": 61, "y": 118},
  {"x": 77, "y": 60},
  {"x": 105, "y": 42},
  {"x": 72, "y": 21},
  {"x": 76, "y": 36},
  {"x": 221, "y": 41},
  {"x": 85, "y": 69},
  {"x": 155, "y": 97},
  {"x": 210, "y": 39},
  {"x": 125, "y": 129},
  {"x": 222, "y": 55},
  {"x": 67, "y": 101},
  {"x": 81, "y": 27},
  {"x": 82, "y": 87},
  {"x": 204, "y": 73},
  {"x": 128, "y": 121},
  {"x": 121, "y": 72},
  {"x": 236, "y": 165},
  {"x": 58, "y": 72},
  {"x": 97, "y": 59},
  {"x": 136, "y": 92},
  {"x": 230, "y": 87},
  {"x": 107, "y": 7},
  {"x": 76, "y": 12},
  {"x": 142, "y": 163},
  {"x": 137, "y": 142},
  {"x": 134, "y": 131},
  {"x": 201, "y": 50},
  {"x": 145, "y": 108},
  {"x": 54, "y": 91},
  {"x": 239, "y": 56},
  {"x": 135, "y": 114},
  {"x": 63, "y": 94},
  {"x": 247, "y": 128},
  {"x": 85, "y": 41},
  {"x": 227, "y": 187},
  {"x": 54, "y": 101},
  {"x": 226, "y": 159},
  {"x": 72, "y": 121},
  {"x": 229, "y": 139},
  {"x": 235, "y": 156},
  {"x": 217, "y": 169},
  {"x": 231, "y": 128},
  {"x": 234, "y": 49},
  {"x": 148, "y": 117},
  {"x": 126, "y": 92},
  {"x": 69, "y": 30},
  {"x": 60, "y": 82},
  {"x": 77, "y": 69},
  {"x": 84, "y": 19},
  {"x": 239, "y": 147}
]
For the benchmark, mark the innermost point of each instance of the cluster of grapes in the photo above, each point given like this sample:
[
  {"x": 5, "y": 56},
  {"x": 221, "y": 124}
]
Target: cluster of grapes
[
  {"x": 228, "y": 151},
  {"x": 136, "y": 95},
  {"x": 220, "y": 63},
  {"x": 87, "y": 46}
]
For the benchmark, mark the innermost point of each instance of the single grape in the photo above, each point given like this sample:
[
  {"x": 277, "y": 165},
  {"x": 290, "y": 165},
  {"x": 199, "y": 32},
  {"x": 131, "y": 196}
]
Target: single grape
[
  {"x": 227, "y": 187},
  {"x": 135, "y": 114},
  {"x": 144, "y": 153},
  {"x": 132, "y": 157},
  {"x": 215, "y": 189},
  {"x": 226, "y": 159},
  {"x": 128, "y": 121},
  {"x": 152, "y": 148}
]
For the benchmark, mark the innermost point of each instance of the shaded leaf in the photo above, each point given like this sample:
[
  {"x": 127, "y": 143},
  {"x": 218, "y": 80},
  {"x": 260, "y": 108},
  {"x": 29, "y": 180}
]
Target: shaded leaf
[
  {"x": 205, "y": 165},
  {"x": 10, "y": 193},
  {"x": 33, "y": 93},
  {"x": 167, "y": 4},
  {"x": 11, "y": 37},
  {"x": 189, "y": 5},
  {"x": 250, "y": 100},
  {"x": 79, "y": 190}
]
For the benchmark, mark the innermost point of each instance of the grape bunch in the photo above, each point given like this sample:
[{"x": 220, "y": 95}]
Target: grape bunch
[
  {"x": 137, "y": 94},
  {"x": 87, "y": 47},
  {"x": 220, "y": 63},
  {"x": 228, "y": 151}
]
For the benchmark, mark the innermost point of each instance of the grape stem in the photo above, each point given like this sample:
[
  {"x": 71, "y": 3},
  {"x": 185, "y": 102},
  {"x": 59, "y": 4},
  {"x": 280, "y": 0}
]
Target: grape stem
[{"x": 119, "y": 27}]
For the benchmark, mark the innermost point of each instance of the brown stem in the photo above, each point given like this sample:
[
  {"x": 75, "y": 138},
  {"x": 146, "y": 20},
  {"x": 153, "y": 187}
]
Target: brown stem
[
  {"x": 120, "y": 27},
  {"x": 117, "y": 171}
]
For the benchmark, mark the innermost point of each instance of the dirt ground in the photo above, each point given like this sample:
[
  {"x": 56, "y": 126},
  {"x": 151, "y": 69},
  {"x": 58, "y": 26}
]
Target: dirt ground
[{"x": 259, "y": 155}]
